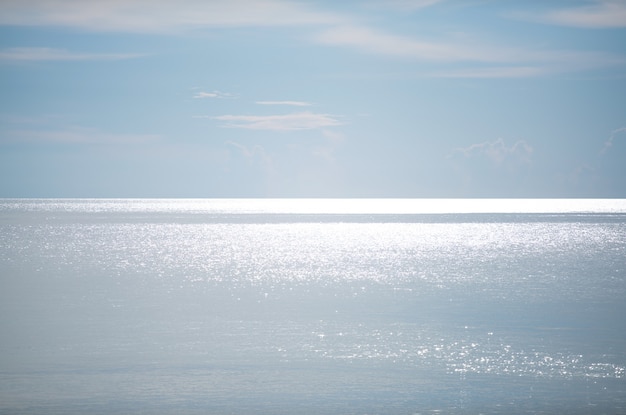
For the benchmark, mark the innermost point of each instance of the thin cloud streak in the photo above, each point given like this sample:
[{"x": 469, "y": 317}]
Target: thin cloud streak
[
  {"x": 158, "y": 16},
  {"x": 599, "y": 15},
  {"x": 214, "y": 94},
  {"x": 288, "y": 103},
  {"x": 288, "y": 122},
  {"x": 380, "y": 43},
  {"x": 494, "y": 72},
  {"x": 404, "y": 5},
  {"x": 51, "y": 54},
  {"x": 75, "y": 135},
  {"x": 529, "y": 62},
  {"x": 377, "y": 42}
]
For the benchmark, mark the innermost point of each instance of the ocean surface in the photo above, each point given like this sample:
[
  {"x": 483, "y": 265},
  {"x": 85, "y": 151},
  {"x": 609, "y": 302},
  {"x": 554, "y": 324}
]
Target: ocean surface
[{"x": 312, "y": 306}]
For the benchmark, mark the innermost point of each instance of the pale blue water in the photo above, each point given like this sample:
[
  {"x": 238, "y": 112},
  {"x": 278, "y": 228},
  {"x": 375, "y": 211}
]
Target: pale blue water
[{"x": 312, "y": 306}]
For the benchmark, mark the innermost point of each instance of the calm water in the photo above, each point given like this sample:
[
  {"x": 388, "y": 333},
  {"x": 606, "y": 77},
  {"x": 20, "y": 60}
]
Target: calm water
[{"x": 312, "y": 306}]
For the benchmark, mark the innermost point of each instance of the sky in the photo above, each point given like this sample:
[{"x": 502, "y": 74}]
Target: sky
[{"x": 285, "y": 98}]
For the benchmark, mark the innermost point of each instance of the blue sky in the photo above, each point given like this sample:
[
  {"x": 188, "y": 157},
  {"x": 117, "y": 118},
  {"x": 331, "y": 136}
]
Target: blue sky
[{"x": 279, "y": 98}]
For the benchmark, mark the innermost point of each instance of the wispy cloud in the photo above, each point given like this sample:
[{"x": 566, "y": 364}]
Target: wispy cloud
[
  {"x": 287, "y": 122},
  {"x": 498, "y": 152},
  {"x": 75, "y": 135},
  {"x": 377, "y": 42},
  {"x": 493, "y": 167},
  {"x": 502, "y": 61},
  {"x": 29, "y": 120},
  {"x": 289, "y": 103},
  {"x": 214, "y": 94},
  {"x": 404, "y": 5},
  {"x": 249, "y": 152},
  {"x": 614, "y": 134},
  {"x": 51, "y": 54},
  {"x": 494, "y": 72},
  {"x": 329, "y": 28},
  {"x": 157, "y": 16},
  {"x": 596, "y": 15}
]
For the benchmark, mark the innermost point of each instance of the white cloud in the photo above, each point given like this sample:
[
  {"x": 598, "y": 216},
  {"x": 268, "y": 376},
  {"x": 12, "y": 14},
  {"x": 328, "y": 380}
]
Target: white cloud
[
  {"x": 156, "y": 16},
  {"x": 288, "y": 122},
  {"x": 498, "y": 152},
  {"x": 289, "y": 103},
  {"x": 50, "y": 54},
  {"x": 598, "y": 14}
]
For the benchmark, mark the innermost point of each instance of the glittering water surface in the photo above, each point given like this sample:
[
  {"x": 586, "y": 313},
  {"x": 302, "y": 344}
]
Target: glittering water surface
[{"x": 312, "y": 306}]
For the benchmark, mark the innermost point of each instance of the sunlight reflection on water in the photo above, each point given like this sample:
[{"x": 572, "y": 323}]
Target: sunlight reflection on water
[{"x": 455, "y": 316}]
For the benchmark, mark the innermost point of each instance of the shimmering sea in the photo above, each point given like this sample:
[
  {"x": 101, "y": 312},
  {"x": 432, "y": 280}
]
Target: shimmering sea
[{"x": 312, "y": 306}]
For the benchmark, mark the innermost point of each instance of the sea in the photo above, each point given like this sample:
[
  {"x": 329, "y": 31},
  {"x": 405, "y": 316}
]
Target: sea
[{"x": 312, "y": 306}]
